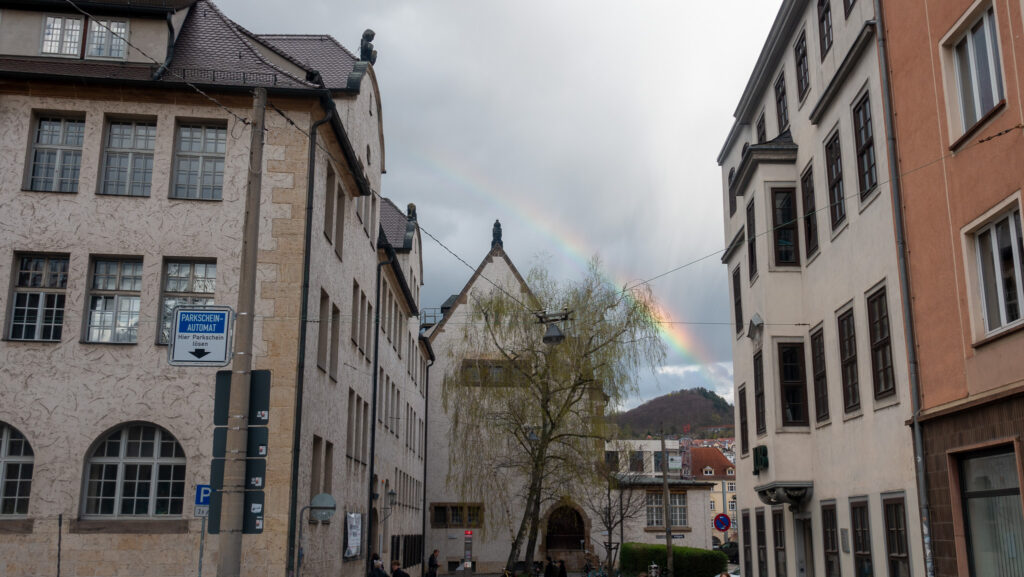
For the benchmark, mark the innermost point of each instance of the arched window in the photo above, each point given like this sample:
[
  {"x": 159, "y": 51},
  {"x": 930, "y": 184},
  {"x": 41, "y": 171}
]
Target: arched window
[
  {"x": 137, "y": 470},
  {"x": 15, "y": 471}
]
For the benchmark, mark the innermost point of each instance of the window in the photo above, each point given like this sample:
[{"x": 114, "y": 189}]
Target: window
[
  {"x": 137, "y": 470},
  {"x": 779, "y": 540},
  {"x": 803, "y": 82},
  {"x": 677, "y": 508},
  {"x": 16, "y": 464},
  {"x": 848, "y": 6},
  {"x": 39, "y": 294},
  {"x": 708, "y": 471},
  {"x": 787, "y": 250},
  {"x": 329, "y": 197},
  {"x": 748, "y": 560},
  {"x": 744, "y": 434},
  {"x": 316, "y": 465},
  {"x": 128, "y": 158},
  {"x": 56, "y": 154},
  {"x": 737, "y": 300},
  {"x": 762, "y": 546},
  {"x": 332, "y": 367},
  {"x": 355, "y": 332},
  {"x": 781, "y": 106},
  {"x": 896, "y": 537},
  {"x": 993, "y": 521},
  {"x": 323, "y": 328},
  {"x": 825, "y": 26},
  {"x": 657, "y": 461},
  {"x": 751, "y": 242},
  {"x": 456, "y": 515},
  {"x": 881, "y": 350},
  {"x": 730, "y": 487},
  {"x": 830, "y": 540},
  {"x": 732, "y": 193},
  {"x": 339, "y": 221},
  {"x": 761, "y": 133},
  {"x": 107, "y": 39},
  {"x": 62, "y": 35},
  {"x": 636, "y": 461},
  {"x": 836, "y": 195},
  {"x": 820, "y": 378},
  {"x": 186, "y": 283},
  {"x": 1001, "y": 269},
  {"x": 865, "y": 141},
  {"x": 978, "y": 71},
  {"x": 848, "y": 361},
  {"x": 732, "y": 505},
  {"x": 810, "y": 212},
  {"x": 759, "y": 418},
  {"x": 114, "y": 298},
  {"x": 793, "y": 383},
  {"x": 199, "y": 162},
  {"x": 861, "y": 539}
]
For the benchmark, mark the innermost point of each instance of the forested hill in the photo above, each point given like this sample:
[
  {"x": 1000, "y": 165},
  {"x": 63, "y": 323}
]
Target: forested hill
[{"x": 699, "y": 408}]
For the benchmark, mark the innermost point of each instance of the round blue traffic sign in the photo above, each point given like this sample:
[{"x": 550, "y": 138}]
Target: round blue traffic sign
[{"x": 722, "y": 522}]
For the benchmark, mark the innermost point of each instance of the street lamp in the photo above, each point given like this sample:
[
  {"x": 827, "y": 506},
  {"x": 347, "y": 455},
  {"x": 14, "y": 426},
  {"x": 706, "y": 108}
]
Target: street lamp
[{"x": 386, "y": 511}]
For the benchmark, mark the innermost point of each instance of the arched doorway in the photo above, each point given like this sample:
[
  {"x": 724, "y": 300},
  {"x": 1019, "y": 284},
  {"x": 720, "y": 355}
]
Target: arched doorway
[{"x": 565, "y": 537}]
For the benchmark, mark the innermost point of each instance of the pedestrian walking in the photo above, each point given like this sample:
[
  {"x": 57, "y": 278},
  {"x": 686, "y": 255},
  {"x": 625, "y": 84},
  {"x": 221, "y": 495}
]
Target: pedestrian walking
[
  {"x": 377, "y": 567},
  {"x": 396, "y": 569},
  {"x": 549, "y": 568}
]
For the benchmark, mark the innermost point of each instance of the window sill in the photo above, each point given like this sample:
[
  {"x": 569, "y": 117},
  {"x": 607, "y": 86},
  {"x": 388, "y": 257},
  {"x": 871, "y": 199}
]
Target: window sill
[
  {"x": 104, "y": 343},
  {"x": 114, "y": 195},
  {"x": 1002, "y": 332},
  {"x": 754, "y": 278},
  {"x": 824, "y": 423},
  {"x": 29, "y": 190},
  {"x": 974, "y": 129},
  {"x": 16, "y": 526},
  {"x": 785, "y": 268},
  {"x": 675, "y": 529},
  {"x": 27, "y": 341},
  {"x": 812, "y": 257},
  {"x": 868, "y": 198},
  {"x": 854, "y": 414},
  {"x": 839, "y": 228},
  {"x": 890, "y": 400},
  {"x": 793, "y": 429},
  {"x": 126, "y": 526},
  {"x": 195, "y": 199}
]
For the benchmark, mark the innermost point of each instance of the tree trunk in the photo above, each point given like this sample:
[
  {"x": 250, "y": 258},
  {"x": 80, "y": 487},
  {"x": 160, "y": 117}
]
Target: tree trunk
[
  {"x": 531, "y": 544},
  {"x": 532, "y": 495}
]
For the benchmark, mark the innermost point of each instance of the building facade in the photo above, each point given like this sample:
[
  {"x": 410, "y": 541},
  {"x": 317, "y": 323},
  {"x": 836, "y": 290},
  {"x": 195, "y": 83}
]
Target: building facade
[
  {"x": 956, "y": 76},
  {"x": 126, "y": 153},
  {"x": 821, "y": 372}
]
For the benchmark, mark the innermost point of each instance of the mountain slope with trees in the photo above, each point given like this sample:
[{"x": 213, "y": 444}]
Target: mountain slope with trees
[{"x": 698, "y": 408}]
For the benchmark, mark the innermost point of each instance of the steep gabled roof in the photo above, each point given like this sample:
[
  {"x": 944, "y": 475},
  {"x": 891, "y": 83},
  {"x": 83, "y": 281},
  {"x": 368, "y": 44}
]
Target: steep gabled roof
[
  {"x": 702, "y": 457},
  {"x": 393, "y": 224},
  {"x": 336, "y": 64},
  {"x": 497, "y": 251}
]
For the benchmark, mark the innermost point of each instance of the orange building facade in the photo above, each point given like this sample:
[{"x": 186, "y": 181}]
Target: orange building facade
[{"x": 956, "y": 70}]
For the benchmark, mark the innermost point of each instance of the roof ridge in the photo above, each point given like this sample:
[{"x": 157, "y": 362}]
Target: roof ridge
[{"x": 237, "y": 28}]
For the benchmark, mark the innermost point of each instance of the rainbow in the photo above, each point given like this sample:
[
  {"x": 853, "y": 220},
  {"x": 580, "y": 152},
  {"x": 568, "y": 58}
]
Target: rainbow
[{"x": 569, "y": 242}]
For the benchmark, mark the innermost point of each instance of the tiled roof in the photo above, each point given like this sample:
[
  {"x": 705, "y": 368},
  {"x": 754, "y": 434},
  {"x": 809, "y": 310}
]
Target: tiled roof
[
  {"x": 212, "y": 49},
  {"x": 393, "y": 223},
  {"x": 701, "y": 457},
  {"x": 87, "y": 5},
  {"x": 86, "y": 69},
  {"x": 322, "y": 53}
]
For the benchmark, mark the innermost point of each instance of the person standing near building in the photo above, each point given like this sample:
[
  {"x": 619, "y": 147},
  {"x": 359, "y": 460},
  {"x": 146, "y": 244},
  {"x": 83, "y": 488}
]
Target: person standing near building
[
  {"x": 549, "y": 568},
  {"x": 561, "y": 569},
  {"x": 432, "y": 564}
]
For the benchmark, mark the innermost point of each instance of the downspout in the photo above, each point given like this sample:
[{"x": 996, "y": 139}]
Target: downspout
[
  {"x": 303, "y": 316},
  {"x": 170, "y": 48},
  {"x": 908, "y": 313},
  {"x": 373, "y": 410},
  {"x": 426, "y": 447}
]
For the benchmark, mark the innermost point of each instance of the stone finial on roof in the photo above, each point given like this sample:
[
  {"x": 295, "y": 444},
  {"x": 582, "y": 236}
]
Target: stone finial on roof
[
  {"x": 411, "y": 211},
  {"x": 366, "y": 51},
  {"x": 496, "y": 235}
]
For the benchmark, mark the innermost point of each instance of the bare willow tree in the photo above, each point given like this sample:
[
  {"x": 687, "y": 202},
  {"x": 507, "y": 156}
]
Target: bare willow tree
[
  {"x": 527, "y": 417},
  {"x": 612, "y": 501}
]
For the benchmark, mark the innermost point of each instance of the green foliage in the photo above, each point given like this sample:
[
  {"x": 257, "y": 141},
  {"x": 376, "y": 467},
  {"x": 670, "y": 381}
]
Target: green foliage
[{"x": 687, "y": 561}]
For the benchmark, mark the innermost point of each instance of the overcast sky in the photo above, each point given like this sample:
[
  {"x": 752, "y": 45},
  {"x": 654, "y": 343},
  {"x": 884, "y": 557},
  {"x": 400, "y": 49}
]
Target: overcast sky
[{"x": 587, "y": 127}]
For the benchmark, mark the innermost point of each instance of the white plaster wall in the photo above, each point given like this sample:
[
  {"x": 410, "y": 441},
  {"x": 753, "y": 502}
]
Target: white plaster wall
[{"x": 850, "y": 264}]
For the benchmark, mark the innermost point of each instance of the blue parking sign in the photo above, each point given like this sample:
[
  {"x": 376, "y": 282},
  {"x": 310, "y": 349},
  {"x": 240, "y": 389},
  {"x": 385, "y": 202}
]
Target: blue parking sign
[{"x": 203, "y": 494}]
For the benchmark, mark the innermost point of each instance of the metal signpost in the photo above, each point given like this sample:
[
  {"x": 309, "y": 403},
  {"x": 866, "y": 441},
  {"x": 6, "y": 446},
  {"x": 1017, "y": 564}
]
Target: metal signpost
[
  {"x": 202, "y": 510},
  {"x": 200, "y": 336}
]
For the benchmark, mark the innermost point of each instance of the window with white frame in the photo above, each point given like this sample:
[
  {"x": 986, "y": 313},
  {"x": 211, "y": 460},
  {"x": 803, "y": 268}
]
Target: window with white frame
[
  {"x": 730, "y": 486},
  {"x": 655, "y": 510},
  {"x": 199, "y": 162},
  {"x": 56, "y": 157},
  {"x": 114, "y": 298},
  {"x": 62, "y": 35},
  {"x": 709, "y": 471},
  {"x": 978, "y": 71},
  {"x": 186, "y": 283},
  {"x": 711, "y": 504},
  {"x": 677, "y": 508},
  {"x": 1000, "y": 255},
  {"x": 732, "y": 505},
  {"x": 107, "y": 39},
  {"x": 137, "y": 470},
  {"x": 16, "y": 464},
  {"x": 40, "y": 288},
  {"x": 128, "y": 158}
]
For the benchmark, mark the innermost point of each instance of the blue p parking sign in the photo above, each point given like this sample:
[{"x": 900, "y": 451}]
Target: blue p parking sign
[{"x": 203, "y": 493}]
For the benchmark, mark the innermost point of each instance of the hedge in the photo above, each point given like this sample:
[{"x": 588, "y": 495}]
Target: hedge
[{"x": 687, "y": 561}]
